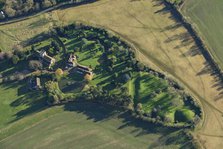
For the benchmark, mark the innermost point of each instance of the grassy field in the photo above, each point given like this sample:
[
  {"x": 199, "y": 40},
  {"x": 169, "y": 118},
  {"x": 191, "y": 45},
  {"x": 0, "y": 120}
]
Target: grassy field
[
  {"x": 209, "y": 23},
  {"x": 161, "y": 41},
  {"x": 83, "y": 125},
  {"x": 16, "y": 101},
  {"x": 90, "y": 126}
]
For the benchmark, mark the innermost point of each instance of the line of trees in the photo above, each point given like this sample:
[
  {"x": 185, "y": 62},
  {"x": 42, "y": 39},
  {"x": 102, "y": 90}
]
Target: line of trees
[
  {"x": 14, "y": 8},
  {"x": 17, "y": 54}
]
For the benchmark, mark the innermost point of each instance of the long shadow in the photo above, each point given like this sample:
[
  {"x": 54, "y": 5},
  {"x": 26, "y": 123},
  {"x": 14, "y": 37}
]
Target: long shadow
[
  {"x": 193, "y": 51},
  {"x": 209, "y": 70},
  {"x": 38, "y": 23},
  {"x": 33, "y": 107},
  {"x": 164, "y": 10},
  {"x": 36, "y": 39},
  {"x": 99, "y": 113},
  {"x": 213, "y": 68},
  {"x": 33, "y": 100},
  {"x": 173, "y": 26}
]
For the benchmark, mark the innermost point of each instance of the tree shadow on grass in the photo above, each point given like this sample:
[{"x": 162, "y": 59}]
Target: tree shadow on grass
[
  {"x": 38, "y": 23},
  {"x": 33, "y": 101},
  {"x": 100, "y": 113},
  {"x": 94, "y": 111},
  {"x": 163, "y": 10},
  {"x": 33, "y": 106}
]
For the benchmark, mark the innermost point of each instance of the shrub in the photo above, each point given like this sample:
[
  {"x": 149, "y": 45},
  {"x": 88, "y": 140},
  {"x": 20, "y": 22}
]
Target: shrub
[
  {"x": 5, "y": 79},
  {"x": 15, "y": 59},
  {"x": 2, "y": 55},
  {"x": 8, "y": 55},
  {"x": 35, "y": 65},
  {"x": 140, "y": 66},
  {"x": 19, "y": 76},
  {"x": 139, "y": 107},
  {"x": 167, "y": 119},
  {"x": 59, "y": 72},
  {"x": 12, "y": 78},
  {"x": 47, "y": 3},
  {"x": 88, "y": 77},
  {"x": 177, "y": 102},
  {"x": 125, "y": 78},
  {"x": 55, "y": 95}
]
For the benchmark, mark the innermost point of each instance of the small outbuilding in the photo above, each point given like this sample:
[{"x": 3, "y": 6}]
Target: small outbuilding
[
  {"x": 35, "y": 83},
  {"x": 84, "y": 69},
  {"x": 48, "y": 60},
  {"x": 2, "y": 15},
  {"x": 72, "y": 61}
]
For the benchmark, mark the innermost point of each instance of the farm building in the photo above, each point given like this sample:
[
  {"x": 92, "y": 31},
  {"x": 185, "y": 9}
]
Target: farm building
[
  {"x": 48, "y": 60},
  {"x": 35, "y": 83},
  {"x": 2, "y": 15},
  {"x": 72, "y": 61},
  {"x": 84, "y": 69}
]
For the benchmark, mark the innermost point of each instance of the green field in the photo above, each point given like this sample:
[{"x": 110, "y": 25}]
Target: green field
[
  {"x": 206, "y": 16},
  {"x": 16, "y": 101},
  {"x": 86, "y": 125}
]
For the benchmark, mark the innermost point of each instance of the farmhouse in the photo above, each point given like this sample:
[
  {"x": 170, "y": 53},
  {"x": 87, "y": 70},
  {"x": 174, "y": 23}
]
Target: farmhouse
[
  {"x": 72, "y": 61},
  {"x": 48, "y": 60}
]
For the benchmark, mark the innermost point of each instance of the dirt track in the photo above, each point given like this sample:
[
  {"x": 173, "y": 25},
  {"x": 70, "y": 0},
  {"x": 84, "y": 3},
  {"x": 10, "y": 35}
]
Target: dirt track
[{"x": 162, "y": 43}]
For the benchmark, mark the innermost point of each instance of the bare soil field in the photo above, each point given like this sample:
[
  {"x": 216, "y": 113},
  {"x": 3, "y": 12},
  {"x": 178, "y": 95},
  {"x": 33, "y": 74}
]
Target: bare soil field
[{"x": 161, "y": 42}]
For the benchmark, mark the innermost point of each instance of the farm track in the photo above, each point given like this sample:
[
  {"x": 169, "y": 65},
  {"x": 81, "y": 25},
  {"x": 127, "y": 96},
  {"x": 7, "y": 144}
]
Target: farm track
[{"x": 150, "y": 31}]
